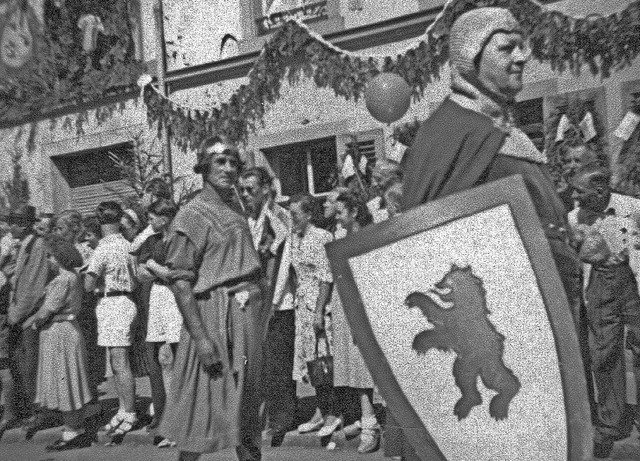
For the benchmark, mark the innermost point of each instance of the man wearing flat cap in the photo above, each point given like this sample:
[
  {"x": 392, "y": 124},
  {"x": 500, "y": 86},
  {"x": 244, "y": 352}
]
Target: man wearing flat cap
[
  {"x": 215, "y": 276},
  {"x": 28, "y": 282},
  {"x": 471, "y": 137}
]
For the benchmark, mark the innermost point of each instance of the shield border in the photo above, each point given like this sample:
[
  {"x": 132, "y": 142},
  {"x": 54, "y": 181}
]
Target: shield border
[{"x": 512, "y": 192}]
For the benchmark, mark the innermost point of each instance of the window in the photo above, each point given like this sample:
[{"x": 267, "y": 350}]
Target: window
[
  {"x": 309, "y": 166},
  {"x": 92, "y": 176}
]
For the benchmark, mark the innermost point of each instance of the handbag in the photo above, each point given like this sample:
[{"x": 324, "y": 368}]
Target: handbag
[{"x": 320, "y": 369}]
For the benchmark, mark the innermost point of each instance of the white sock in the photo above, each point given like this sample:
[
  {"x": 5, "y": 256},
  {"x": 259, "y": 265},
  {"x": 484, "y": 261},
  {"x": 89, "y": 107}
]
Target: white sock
[
  {"x": 369, "y": 422},
  {"x": 68, "y": 435}
]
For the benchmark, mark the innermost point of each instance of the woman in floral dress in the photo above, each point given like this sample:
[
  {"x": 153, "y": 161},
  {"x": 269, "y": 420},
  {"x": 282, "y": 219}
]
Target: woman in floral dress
[{"x": 313, "y": 316}]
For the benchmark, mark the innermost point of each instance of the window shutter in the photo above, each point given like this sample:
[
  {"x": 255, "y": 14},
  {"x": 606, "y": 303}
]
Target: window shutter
[{"x": 85, "y": 199}]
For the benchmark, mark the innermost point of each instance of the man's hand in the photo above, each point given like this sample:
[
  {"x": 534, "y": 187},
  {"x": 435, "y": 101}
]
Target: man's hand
[
  {"x": 31, "y": 322},
  {"x": 208, "y": 353}
]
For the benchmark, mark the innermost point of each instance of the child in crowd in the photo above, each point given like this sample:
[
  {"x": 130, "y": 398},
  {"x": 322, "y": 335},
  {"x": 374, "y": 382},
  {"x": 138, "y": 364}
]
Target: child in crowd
[
  {"x": 164, "y": 323},
  {"x": 112, "y": 273},
  {"x": 92, "y": 233},
  {"x": 62, "y": 382}
]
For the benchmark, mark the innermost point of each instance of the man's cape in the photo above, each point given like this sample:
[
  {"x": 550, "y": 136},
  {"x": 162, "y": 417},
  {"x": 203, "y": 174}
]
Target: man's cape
[{"x": 452, "y": 152}]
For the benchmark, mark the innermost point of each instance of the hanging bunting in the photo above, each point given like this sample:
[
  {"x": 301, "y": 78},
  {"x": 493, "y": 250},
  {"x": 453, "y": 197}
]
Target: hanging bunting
[{"x": 566, "y": 43}]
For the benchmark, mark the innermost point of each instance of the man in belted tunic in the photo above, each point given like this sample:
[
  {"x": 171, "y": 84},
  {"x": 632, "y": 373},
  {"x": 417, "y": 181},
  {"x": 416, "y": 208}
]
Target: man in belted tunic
[{"x": 214, "y": 396}]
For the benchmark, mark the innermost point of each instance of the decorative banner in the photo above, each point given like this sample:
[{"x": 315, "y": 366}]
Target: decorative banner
[
  {"x": 627, "y": 126},
  {"x": 20, "y": 36},
  {"x": 57, "y": 54},
  {"x": 294, "y": 51}
]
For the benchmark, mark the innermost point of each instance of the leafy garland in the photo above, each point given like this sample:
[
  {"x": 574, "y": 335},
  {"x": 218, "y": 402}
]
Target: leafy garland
[
  {"x": 406, "y": 132},
  {"x": 60, "y": 75},
  {"x": 574, "y": 107},
  {"x": 629, "y": 159},
  {"x": 603, "y": 44}
]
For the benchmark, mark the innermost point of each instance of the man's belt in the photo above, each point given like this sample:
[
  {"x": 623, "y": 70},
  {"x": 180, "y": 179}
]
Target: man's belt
[{"x": 233, "y": 286}]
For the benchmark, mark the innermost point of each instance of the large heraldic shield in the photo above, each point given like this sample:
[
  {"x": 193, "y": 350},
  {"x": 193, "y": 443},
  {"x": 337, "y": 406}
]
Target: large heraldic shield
[{"x": 460, "y": 314}]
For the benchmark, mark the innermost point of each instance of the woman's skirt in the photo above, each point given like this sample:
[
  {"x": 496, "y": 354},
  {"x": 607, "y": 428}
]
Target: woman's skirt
[
  {"x": 62, "y": 382},
  {"x": 165, "y": 321},
  {"x": 349, "y": 369},
  {"x": 305, "y": 340}
]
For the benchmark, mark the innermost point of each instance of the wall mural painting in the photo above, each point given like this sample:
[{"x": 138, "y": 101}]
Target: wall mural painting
[{"x": 60, "y": 52}]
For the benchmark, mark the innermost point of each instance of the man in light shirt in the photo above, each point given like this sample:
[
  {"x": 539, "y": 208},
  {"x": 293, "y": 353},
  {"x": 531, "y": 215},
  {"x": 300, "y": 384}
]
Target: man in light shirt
[
  {"x": 270, "y": 225},
  {"x": 611, "y": 297}
]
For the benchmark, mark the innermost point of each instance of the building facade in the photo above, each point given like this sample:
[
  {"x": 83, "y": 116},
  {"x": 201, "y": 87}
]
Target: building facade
[{"x": 209, "y": 47}]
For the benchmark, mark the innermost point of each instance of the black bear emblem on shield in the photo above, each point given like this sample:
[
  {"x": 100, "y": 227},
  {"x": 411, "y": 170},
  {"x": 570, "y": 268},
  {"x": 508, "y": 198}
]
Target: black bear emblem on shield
[{"x": 466, "y": 329}]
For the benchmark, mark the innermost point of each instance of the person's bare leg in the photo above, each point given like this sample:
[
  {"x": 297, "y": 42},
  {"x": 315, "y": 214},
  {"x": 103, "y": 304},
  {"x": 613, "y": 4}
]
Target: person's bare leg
[
  {"x": 366, "y": 406},
  {"x": 125, "y": 383}
]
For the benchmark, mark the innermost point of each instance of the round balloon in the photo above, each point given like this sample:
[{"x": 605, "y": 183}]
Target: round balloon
[{"x": 387, "y": 97}]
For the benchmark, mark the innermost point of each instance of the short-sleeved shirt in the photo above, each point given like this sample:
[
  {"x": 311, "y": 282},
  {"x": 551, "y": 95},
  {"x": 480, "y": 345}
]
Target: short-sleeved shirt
[{"x": 113, "y": 265}]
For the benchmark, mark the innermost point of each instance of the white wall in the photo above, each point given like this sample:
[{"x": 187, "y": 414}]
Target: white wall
[{"x": 303, "y": 111}]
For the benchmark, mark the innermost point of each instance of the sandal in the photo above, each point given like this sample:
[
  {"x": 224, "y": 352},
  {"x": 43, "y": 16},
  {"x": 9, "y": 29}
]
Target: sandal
[
  {"x": 126, "y": 424},
  {"x": 369, "y": 440},
  {"x": 166, "y": 443},
  {"x": 114, "y": 423}
]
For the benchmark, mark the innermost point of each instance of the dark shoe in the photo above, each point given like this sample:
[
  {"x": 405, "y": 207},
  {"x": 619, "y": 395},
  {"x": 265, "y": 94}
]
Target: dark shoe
[
  {"x": 33, "y": 425},
  {"x": 277, "y": 438},
  {"x": 153, "y": 424},
  {"x": 602, "y": 449},
  {"x": 80, "y": 441}
]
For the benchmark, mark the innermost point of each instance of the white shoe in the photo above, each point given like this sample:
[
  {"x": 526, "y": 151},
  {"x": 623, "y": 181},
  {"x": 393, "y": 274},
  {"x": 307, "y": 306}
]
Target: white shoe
[
  {"x": 369, "y": 440},
  {"x": 370, "y": 435},
  {"x": 329, "y": 429},
  {"x": 310, "y": 426},
  {"x": 352, "y": 430}
]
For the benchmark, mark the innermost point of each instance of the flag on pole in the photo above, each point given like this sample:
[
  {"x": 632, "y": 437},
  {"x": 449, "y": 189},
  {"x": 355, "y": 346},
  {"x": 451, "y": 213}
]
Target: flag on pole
[
  {"x": 348, "y": 168},
  {"x": 627, "y": 126},
  {"x": 587, "y": 127},
  {"x": 362, "y": 166}
]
